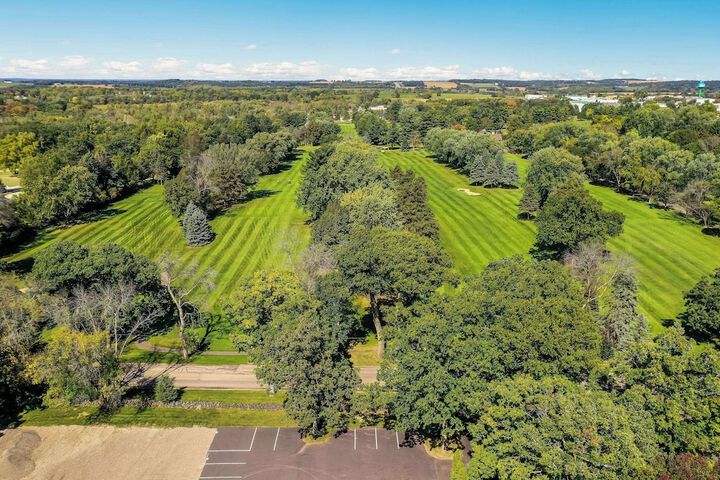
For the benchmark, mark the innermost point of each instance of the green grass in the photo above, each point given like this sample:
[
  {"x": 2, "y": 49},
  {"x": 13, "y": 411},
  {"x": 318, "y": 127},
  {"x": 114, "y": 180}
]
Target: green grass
[
  {"x": 670, "y": 252},
  {"x": 475, "y": 230},
  {"x": 8, "y": 179},
  {"x": 158, "y": 416},
  {"x": 365, "y": 354},
  {"x": 264, "y": 232},
  {"x": 171, "y": 339},
  {"x": 250, "y": 397},
  {"x": 138, "y": 355},
  {"x": 347, "y": 130}
]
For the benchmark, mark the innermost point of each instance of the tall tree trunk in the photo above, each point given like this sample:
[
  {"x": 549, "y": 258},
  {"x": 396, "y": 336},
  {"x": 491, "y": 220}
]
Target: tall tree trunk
[
  {"x": 181, "y": 328},
  {"x": 377, "y": 324}
]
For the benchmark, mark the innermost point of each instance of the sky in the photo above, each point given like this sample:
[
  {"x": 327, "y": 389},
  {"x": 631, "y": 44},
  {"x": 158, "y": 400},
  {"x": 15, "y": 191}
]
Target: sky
[{"x": 359, "y": 40}]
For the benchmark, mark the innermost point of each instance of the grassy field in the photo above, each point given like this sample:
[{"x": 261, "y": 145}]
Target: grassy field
[
  {"x": 9, "y": 179},
  {"x": 670, "y": 253},
  {"x": 158, "y": 416},
  {"x": 264, "y": 232}
]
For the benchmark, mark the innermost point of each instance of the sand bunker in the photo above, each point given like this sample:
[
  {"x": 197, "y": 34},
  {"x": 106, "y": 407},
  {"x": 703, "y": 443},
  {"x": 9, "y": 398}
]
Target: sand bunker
[{"x": 468, "y": 192}]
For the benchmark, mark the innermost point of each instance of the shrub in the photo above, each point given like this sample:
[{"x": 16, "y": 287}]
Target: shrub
[{"x": 165, "y": 390}]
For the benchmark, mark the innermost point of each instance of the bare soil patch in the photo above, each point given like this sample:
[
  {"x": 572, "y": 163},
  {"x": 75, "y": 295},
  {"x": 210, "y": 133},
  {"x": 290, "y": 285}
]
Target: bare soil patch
[{"x": 75, "y": 452}]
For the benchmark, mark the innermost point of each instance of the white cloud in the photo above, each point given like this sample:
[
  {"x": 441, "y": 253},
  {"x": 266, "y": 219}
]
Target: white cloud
[
  {"x": 587, "y": 74},
  {"x": 623, "y": 73},
  {"x": 251, "y": 46},
  {"x": 215, "y": 69},
  {"x": 122, "y": 67},
  {"x": 353, "y": 73},
  {"x": 511, "y": 73},
  {"x": 75, "y": 62},
  {"x": 27, "y": 66},
  {"x": 394, "y": 51},
  {"x": 291, "y": 70},
  {"x": 166, "y": 64},
  {"x": 425, "y": 73}
]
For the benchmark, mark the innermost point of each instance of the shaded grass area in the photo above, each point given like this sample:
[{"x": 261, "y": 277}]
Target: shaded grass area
[
  {"x": 264, "y": 232},
  {"x": 158, "y": 416},
  {"x": 670, "y": 252},
  {"x": 135, "y": 354},
  {"x": 218, "y": 341},
  {"x": 365, "y": 354}
]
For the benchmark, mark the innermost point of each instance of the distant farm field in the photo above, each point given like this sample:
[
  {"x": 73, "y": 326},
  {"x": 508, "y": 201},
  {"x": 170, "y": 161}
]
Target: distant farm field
[
  {"x": 264, "y": 232},
  {"x": 670, "y": 253}
]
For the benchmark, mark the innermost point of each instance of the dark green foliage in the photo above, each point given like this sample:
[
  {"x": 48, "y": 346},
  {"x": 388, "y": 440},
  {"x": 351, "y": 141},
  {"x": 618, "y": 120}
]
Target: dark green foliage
[
  {"x": 411, "y": 197},
  {"x": 677, "y": 386},
  {"x": 572, "y": 216},
  {"x": 319, "y": 130},
  {"x": 554, "y": 428},
  {"x": 8, "y": 221},
  {"x": 465, "y": 150},
  {"x": 550, "y": 167},
  {"x": 67, "y": 264},
  {"x": 623, "y": 325},
  {"x": 334, "y": 171},
  {"x": 271, "y": 150},
  {"x": 372, "y": 127},
  {"x": 164, "y": 389},
  {"x": 492, "y": 171},
  {"x": 20, "y": 321},
  {"x": 510, "y": 175},
  {"x": 179, "y": 192},
  {"x": 60, "y": 197},
  {"x": 520, "y": 316},
  {"x": 397, "y": 265},
  {"x": 231, "y": 171},
  {"x": 195, "y": 226},
  {"x": 701, "y": 317},
  {"x": 333, "y": 225},
  {"x": 299, "y": 339}
]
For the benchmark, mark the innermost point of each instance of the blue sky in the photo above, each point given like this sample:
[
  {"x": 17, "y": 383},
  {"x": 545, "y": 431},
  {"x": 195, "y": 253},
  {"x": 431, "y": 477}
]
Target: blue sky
[{"x": 214, "y": 39}]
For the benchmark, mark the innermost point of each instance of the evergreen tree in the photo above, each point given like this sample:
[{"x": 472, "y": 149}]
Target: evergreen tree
[
  {"x": 623, "y": 324},
  {"x": 510, "y": 175},
  {"x": 196, "y": 227}
]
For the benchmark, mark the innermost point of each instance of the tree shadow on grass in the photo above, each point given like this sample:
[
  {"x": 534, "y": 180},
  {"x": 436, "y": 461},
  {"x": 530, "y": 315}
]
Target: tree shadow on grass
[
  {"x": 263, "y": 193},
  {"x": 711, "y": 231}
]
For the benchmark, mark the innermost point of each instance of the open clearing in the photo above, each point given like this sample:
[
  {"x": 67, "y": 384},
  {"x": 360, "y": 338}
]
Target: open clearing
[
  {"x": 670, "y": 252},
  {"x": 108, "y": 453},
  {"x": 264, "y": 232}
]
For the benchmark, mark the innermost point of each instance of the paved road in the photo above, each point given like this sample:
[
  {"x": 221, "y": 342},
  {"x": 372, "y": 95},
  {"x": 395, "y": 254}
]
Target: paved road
[
  {"x": 280, "y": 453},
  {"x": 235, "y": 377}
]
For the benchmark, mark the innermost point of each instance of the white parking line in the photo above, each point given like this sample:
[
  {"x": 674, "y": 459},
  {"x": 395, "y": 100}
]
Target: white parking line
[
  {"x": 375, "y": 438},
  {"x": 238, "y": 449},
  {"x": 397, "y": 440},
  {"x": 276, "y": 438},
  {"x": 253, "y": 440},
  {"x": 355, "y": 439}
]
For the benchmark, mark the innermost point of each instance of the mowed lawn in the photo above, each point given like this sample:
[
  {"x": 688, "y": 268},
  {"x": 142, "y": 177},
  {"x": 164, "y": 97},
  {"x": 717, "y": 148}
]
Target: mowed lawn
[
  {"x": 264, "y": 232},
  {"x": 670, "y": 252}
]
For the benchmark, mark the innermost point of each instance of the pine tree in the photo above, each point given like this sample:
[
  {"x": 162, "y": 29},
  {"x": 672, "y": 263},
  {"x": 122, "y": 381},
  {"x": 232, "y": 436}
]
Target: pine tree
[
  {"x": 623, "y": 324},
  {"x": 478, "y": 170},
  {"x": 510, "y": 175},
  {"x": 196, "y": 227}
]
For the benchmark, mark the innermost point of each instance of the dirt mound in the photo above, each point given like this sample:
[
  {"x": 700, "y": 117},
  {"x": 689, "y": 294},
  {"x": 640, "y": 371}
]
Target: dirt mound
[
  {"x": 108, "y": 453},
  {"x": 16, "y": 461}
]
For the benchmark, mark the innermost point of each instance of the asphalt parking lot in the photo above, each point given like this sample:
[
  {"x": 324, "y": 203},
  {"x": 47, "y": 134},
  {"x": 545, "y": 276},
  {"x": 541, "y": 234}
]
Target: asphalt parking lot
[{"x": 280, "y": 453}]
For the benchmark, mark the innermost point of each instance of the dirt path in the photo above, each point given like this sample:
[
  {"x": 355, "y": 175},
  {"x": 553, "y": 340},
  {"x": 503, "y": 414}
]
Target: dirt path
[
  {"x": 107, "y": 453},
  {"x": 231, "y": 377}
]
